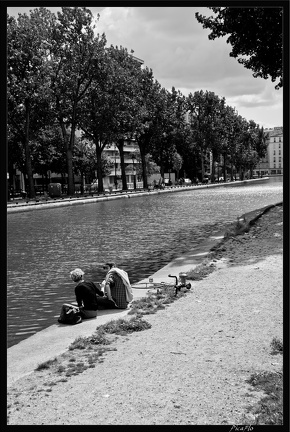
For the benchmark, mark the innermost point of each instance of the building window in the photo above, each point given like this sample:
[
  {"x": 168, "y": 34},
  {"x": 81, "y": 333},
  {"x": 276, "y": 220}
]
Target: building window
[
  {"x": 279, "y": 165},
  {"x": 279, "y": 151},
  {"x": 274, "y": 152},
  {"x": 274, "y": 139},
  {"x": 279, "y": 145},
  {"x": 279, "y": 159},
  {"x": 274, "y": 165},
  {"x": 280, "y": 139},
  {"x": 274, "y": 159}
]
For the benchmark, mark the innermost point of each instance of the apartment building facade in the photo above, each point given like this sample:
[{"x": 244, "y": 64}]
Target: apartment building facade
[
  {"x": 132, "y": 166},
  {"x": 272, "y": 163}
]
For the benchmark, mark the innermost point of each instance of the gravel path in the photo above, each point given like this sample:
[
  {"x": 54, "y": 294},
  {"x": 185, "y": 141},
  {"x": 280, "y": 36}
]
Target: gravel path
[{"x": 191, "y": 366}]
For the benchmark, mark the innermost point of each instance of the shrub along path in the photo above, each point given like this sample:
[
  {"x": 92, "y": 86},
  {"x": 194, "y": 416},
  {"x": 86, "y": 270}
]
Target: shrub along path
[{"x": 192, "y": 366}]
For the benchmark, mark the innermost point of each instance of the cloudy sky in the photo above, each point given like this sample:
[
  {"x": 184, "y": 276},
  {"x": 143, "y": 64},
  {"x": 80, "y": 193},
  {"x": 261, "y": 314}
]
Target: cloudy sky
[{"x": 177, "y": 49}]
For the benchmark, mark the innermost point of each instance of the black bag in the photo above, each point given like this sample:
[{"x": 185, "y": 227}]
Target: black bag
[{"x": 70, "y": 314}]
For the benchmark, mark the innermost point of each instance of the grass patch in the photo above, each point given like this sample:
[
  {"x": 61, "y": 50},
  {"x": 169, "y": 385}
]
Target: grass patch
[
  {"x": 46, "y": 365},
  {"x": 98, "y": 338},
  {"x": 146, "y": 305},
  {"x": 123, "y": 326},
  {"x": 277, "y": 346},
  {"x": 155, "y": 301},
  {"x": 201, "y": 271},
  {"x": 269, "y": 409}
]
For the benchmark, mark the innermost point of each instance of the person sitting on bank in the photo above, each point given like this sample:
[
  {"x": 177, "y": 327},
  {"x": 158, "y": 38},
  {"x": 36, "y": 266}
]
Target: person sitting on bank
[
  {"x": 117, "y": 288},
  {"x": 86, "y": 294}
]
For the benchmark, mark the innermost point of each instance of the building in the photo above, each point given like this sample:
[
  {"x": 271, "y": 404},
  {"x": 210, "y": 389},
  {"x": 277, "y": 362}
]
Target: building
[
  {"x": 131, "y": 160},
  {"x": 272, "y": 163}
]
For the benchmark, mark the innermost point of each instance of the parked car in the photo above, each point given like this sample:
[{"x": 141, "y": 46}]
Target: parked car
[{"x": 186, "y": 181}]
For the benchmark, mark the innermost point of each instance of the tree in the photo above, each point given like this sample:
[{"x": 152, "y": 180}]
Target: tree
[
  {"x": 202, "y": 108},
  {"x": 163, "y": 126},
  {"x": 151, "y": 167},
  {"x": 150, "y": 111},
  {"x": 85, "y": 161},
  {"x": 74, "y": 54},
  {"x": 48, "y": 152},
  {"x": 124, "y": 88},
  {"x": 110, "y": 108},
  {"x": 255, "y": 37},
  {"x": 27, "y": 76},
  {"x": 177, "y": 163}
]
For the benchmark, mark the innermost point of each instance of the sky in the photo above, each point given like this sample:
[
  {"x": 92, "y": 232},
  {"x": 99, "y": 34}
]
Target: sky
[{"x": 174, "y": 45}]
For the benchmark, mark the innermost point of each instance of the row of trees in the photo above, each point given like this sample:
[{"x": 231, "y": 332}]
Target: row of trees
[{"x": 62, "y": 78}]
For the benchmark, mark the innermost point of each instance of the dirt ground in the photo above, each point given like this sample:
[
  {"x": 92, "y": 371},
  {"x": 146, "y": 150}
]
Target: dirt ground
[{"x": 191, "y": 367}]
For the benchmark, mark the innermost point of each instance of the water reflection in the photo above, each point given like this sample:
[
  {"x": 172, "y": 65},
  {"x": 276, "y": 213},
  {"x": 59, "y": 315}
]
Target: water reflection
[{"x": 141, "y": 235}]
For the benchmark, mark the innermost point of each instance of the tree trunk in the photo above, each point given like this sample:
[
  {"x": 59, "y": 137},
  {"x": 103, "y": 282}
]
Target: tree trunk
[
  {"x": 162, "y": 171},
  {"x": 28, "y": 163},
  {"x": 144, "y": 171},
  {"x": 120, "y": 146},
  {"x": 142, "y": 148},
  {"x": 225, "y": 168},
  {"x": 71, "y": 185},
  {"x": 69, "y": 153},
  {"x": 232, "y": 172},
  {"x": 213, "y": 168},
  {"x": 99, "y": 166},
  {"x": 82, "y": 184},
  {"x": 46, "y": 182},
  {"x": 202, "y": 164}
]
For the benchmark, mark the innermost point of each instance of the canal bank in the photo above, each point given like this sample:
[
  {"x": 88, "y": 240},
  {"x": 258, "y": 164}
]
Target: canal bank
[
  {"x": 141, "y": 236},
  {"x": 25, "y": 356},
  {"x": 192, "y": 366},
  {"x": 41, "y": 204},
  {"x": 46, "y": 344}
]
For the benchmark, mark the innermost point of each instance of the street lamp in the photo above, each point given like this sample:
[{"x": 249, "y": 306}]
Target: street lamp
[{"x": 134, "y": 175}]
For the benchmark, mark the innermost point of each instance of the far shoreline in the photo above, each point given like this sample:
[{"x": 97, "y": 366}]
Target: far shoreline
[{"x": 14, "y": 207}]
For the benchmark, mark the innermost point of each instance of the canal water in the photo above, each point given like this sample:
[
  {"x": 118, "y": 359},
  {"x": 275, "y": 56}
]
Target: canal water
[{"x": 141, "y": 235}]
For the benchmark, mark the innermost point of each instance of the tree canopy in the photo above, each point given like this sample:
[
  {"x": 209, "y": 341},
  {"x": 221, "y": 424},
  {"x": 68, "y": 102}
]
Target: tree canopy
[
  {"x": 255, "y": 35},
  {"x": 61, "y": 78}
]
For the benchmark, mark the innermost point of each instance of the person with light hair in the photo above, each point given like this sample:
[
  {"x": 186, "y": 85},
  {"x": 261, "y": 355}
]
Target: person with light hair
[{"x": 86, "y": 293}]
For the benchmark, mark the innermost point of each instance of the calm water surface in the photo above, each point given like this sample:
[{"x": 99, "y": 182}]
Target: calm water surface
[{"x": 141, "y": 235}]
